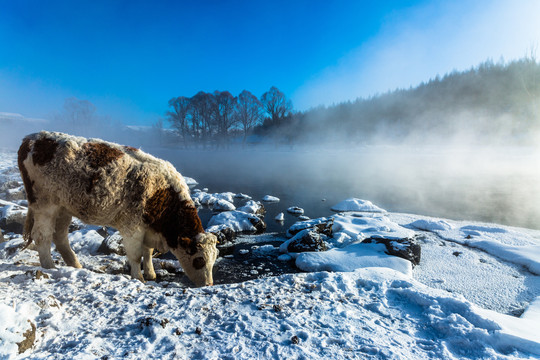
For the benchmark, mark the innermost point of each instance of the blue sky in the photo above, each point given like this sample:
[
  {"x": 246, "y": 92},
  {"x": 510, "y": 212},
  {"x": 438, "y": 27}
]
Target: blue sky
[{"x": 130, "y": 57}]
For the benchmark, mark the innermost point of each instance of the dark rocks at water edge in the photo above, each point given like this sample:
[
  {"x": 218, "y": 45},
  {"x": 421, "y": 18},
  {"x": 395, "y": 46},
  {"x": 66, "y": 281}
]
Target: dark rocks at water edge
[
  {"x": 408, "y": 249},
  {"x": 307, "y": 240},
  {"x": 225, "y": 235},
  {"x": 346, "y": 229},
  {"x": 321, "y": 225}
]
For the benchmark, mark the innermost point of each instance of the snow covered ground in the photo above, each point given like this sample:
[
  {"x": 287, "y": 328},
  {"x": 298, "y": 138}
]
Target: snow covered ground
[{"x": 475, "y": 294}]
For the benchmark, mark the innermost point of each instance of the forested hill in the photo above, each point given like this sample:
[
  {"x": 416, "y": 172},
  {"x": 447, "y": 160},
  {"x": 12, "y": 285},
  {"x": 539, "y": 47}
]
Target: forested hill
[{"x": 491, "y": 103}]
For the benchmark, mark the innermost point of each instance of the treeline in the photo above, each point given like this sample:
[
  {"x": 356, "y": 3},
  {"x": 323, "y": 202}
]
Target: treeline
[
  {"x": 219, "y": 116},
  {"x": 489, "y": 103}
]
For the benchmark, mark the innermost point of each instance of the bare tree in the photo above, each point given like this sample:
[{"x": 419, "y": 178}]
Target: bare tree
[
  {"x": 201, "y": 109},
  {"x": 224, "y": 112},
  {"x": 157, "y": 128},
  {"x": 276, "y": 105},
  {"x": 249, "y": 112},
  {"x": 178, "y": 117},
  {"x": 78, "y": 114}
]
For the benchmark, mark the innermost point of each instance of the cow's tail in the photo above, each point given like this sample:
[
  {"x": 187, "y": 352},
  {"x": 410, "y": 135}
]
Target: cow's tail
[{"x": 28, "y": 225}]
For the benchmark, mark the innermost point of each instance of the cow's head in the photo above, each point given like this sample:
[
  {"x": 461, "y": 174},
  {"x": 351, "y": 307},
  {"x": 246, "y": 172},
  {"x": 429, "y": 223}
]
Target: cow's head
[{"x": 197, "y": 257}]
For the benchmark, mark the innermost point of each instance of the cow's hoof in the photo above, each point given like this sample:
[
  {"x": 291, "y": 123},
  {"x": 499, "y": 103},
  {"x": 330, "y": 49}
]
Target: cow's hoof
[{"x": 150, "y": 276}]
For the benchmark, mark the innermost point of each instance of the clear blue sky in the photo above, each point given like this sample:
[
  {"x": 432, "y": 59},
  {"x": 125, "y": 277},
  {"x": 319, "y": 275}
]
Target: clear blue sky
[{"x": 130, "y": 57}]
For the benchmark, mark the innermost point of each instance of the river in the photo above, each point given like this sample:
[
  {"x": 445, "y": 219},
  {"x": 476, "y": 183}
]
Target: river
[{"x": 500, "y": 185}]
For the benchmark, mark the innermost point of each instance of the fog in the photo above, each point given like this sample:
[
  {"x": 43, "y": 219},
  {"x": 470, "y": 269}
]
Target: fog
[{"x": 498, "y": 184}]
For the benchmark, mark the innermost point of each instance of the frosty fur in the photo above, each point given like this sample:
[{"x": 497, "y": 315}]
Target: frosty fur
[{"x": 103, "y": 183}]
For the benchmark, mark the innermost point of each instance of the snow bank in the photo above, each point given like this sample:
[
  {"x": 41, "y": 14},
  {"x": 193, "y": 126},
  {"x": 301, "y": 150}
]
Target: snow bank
[
  {"x": 368, "y": 313},
  {"x": 354, "y": 204},
  {"x": 431, "y": 224},
  {"x": 352, "y": 257},
  {"x": 518, "y": 246},
  {"x": 359, "y": 226}
]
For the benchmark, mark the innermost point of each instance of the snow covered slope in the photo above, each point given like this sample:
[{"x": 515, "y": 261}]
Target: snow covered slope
[{"x": 439, "y": 311}]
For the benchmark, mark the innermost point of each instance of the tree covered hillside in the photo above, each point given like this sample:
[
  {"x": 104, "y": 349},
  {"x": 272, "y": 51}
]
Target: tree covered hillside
[{"x": 491, "y": 103}]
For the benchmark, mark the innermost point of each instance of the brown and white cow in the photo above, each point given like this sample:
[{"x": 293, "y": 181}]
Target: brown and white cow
[{"x": 103, "y": 183}]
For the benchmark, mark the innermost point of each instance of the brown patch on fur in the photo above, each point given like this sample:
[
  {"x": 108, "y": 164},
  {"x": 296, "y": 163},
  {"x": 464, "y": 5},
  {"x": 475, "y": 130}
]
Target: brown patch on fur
[
  {"x": 130, "y": 148},
  {"x": 100, "y": 155},
  {"x": 177, "y": 220},
  {"x": 198, "y": 263},
  {"x": 43, "y": 151},
  {"x": 22, "y": 154}
]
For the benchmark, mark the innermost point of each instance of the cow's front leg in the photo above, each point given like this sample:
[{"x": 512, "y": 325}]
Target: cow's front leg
[
  {"x": 148, "y": 267},
  {"x": 42, "y": 233},
  {"x": 133, "y": 245}
]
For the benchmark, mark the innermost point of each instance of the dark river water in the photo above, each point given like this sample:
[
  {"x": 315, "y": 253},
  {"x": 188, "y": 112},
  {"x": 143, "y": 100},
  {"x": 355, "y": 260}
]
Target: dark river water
[{"x": 492, "y": 185}]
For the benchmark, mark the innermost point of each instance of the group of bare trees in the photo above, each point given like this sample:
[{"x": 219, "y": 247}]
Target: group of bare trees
[{"x": 216, "y": 116}]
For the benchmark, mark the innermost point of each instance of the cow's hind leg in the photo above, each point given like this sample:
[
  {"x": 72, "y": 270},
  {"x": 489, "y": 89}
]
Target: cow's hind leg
[
  {"x": 61, "y": 240},
  {"x": 42, "y": 233},
  {"x": 148, "y": 267}
]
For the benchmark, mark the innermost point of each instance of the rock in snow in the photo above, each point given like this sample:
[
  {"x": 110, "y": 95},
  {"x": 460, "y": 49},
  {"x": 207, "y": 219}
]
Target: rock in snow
[
  {"x": 190, "y": 181},
  {"x": 242, "y": 196},
  {"x": 408, "y": 249},
  {"x": 305, "y": 240},
  {"x": 12, "y": 217},
  {"x": 270, "y": 199},
  {"x": 238, "y": 221},
  {"x": 295, "y": 210},
  {"x": 280, "y": 217},
  {"x": 112, "y": 244},
  {"x": 223, "y": 205},
  {"x": 253, "y": 207},
  {"x": 343, "y": 232}
]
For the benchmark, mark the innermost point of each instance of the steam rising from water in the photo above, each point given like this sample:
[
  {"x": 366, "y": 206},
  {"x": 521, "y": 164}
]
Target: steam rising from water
[{"x": 494, "y": 185}]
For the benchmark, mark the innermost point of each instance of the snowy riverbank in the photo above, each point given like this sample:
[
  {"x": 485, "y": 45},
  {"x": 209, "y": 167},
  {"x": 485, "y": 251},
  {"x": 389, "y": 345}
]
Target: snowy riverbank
[{"x": 475, "y": 294}]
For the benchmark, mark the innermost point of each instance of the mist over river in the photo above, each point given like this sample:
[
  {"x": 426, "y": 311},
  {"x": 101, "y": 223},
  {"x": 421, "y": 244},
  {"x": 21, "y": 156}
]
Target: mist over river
[{"x": 500, "y": 185}]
